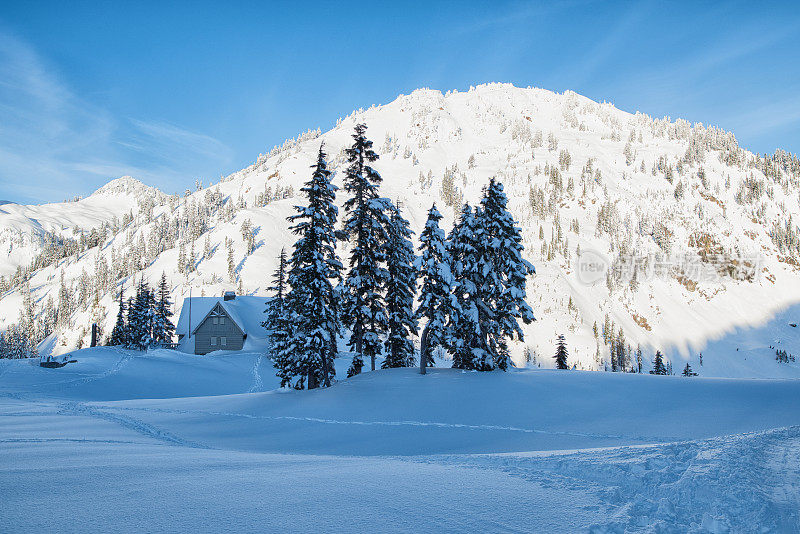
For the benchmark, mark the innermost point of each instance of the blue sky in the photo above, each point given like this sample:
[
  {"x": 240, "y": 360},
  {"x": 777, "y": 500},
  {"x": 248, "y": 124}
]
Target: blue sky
[{"x": 90, "y": 92}]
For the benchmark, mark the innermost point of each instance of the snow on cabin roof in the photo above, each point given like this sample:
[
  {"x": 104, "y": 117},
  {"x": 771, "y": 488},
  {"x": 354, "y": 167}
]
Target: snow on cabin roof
[{"x": 246, "y": 312}]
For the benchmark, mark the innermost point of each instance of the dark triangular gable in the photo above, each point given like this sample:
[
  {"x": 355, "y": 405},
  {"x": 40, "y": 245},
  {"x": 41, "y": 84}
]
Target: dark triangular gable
[{"x": 218, "y": 307}]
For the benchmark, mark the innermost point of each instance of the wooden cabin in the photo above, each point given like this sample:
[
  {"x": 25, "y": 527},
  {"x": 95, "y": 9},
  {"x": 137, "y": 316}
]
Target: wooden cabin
[{"x": 208, "y": 324}]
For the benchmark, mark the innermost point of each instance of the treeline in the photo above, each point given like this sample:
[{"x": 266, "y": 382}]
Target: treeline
[
  {"x": 471, "y": 282},
  {"x": 144, "y": 320},
  {"x": 15, "y": 343},
  {"x": 660, "y": 365}
]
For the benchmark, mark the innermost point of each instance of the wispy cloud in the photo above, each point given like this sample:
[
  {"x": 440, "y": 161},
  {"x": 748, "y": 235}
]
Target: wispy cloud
[
  {"x": 515, "y": 15},
  {"x": 766, "y": 117},
  {"x": 55, "y": 144},
  {"x": 164, "y": 139},
  {"x": 710, "y": 56},
  {"x": 579, "y": 71}
]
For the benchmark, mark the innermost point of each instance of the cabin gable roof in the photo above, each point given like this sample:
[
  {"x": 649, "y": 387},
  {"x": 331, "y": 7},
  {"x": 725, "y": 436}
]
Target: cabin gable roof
[
  {"x": 219, "y": 308},
  {"x": 247, "y": 312}
]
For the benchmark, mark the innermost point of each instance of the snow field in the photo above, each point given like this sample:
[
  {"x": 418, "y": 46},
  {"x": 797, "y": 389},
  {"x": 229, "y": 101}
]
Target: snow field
[{"x": 168, "y": 442}]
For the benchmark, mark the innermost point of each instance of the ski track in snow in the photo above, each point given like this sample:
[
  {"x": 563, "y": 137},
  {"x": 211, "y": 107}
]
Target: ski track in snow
[
  {"x": 145, "y": 429},
  {"x": 125, "y": 357},
  {"x": 644, "y": 439},
  {"x": 69, "y": 440},
  {"x": 739, "y": 483},
  {"x": 258, "y": 383}
]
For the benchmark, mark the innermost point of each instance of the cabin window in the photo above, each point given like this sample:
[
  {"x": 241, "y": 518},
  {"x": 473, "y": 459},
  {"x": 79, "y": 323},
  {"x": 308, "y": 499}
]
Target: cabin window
[
  {"x": 214, "y": 341},
  {"x": 222, "y": 320},
  {"x": 215, "y": 320},
  {"x": 223, "y": 341}
]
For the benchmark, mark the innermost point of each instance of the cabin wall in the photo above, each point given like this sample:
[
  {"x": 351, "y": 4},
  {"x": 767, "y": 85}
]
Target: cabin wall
[{"x": 207, "y": 330}]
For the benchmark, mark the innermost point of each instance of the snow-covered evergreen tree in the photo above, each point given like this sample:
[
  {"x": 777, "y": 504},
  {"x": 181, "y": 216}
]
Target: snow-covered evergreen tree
[
  {"x": 687, "y": 371},
  {"x": 27, "y": 315},
  {"x": 275, "y": 305},
  {"x": 468, "y": 305},
  {"x": 163, "y": 328},
  {"x": 506, "y": 271},
  {"x": 248, "y": 235},
  {"x": 400, "y": 291},
  {"x": 490, "y": 276},
  {"x": 658, "y": 365},
  {"x": 65, "y": 302},
  {"x": 15, "y": 343},
  {"x": 130, "y": 318},
  {"x": 561, "y": 353},
  {"x": 311, "y": 347},
  {"x": 119, "y": 334},
  {"x": 433, "y": 265},
  {"x": 365, "y": 226},
  {"x": 140, "y": 318},
  {"x": 277, "y": 322},
  {"x": 619, "y": 355},
  {"x": 231, "y": 263}
]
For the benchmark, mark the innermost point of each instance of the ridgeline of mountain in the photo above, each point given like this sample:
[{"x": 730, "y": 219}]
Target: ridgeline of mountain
[{"x": 693, "y": 235}]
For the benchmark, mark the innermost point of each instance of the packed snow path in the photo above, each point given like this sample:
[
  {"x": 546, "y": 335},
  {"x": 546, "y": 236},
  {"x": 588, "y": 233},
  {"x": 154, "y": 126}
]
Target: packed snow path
[{"x": 126, "y": 439}]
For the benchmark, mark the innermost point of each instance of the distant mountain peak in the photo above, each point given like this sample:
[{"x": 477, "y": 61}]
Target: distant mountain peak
[{"x": 123, "y": 185}]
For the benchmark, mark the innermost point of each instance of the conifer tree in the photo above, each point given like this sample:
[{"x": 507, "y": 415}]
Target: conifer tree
[
  {"x": 150, "y": 313},
  {"x": 130, "y": 319},
  {"x": 619, "y": 351},
  {"x": 365, "y": 227},
  {"x": 16, "y": 344},
  {"x": 687, "y": 371},
  {"x": 231, "y": 263},
  {"x": 27, "y": 315},
  {"x": 506, "y": 275},
  {"x": 433, "y": 266},
  {"x": 276, "y": 304},
  {"x": 489, "y": 284},
  {"x": 163, "y": 328},
  {"x": 119, "y": 334},
  {"x": 277, "y": 323},
  {"x": 140, "y": 318},
  {"x": 465, "y": 340},
  {"x": 400, "y": 291},
  {"x": 561, "y": 353},
  {"x": 658, "y": 365},
  {"x": 310, "y": 348}
]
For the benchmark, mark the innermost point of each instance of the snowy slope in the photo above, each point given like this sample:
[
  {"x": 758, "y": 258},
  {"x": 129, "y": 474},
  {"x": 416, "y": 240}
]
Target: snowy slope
[
  {"x": 24, "y": 228},
  {"x": 670, "y": 192},
  {"x": 528, "y": 450}
]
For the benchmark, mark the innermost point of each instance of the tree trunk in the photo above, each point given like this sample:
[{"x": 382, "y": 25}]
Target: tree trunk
[
  {"x": 327, "y": 362},
  {"x": 423, "y": 352},
  {"x": 360, "y": 346},
  {"x": 326, "y": 381}
]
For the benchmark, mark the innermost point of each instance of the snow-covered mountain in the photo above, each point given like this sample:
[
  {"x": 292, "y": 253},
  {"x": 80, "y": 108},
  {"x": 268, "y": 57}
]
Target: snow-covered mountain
[
  {"x": 595, "y": 190},
  {"x": 26, "y": 231}
]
